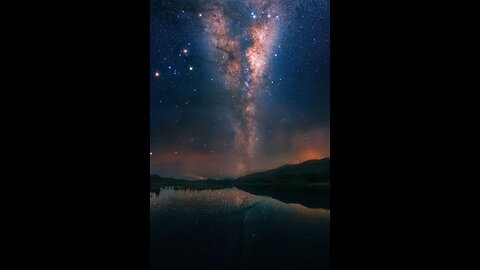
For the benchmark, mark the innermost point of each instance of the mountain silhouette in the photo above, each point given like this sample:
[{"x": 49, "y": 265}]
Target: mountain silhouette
[
  {"x": 307, "y": 183},
  {"x": 312, "y": 172}
]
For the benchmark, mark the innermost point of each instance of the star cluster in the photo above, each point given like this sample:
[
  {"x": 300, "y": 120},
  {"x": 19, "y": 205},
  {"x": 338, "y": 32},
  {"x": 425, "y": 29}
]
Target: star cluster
[{"x": 238, "y": 86}]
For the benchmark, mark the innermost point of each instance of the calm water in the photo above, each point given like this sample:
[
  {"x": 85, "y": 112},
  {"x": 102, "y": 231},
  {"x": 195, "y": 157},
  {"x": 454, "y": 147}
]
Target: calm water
[{"x": 233, "y": 229}]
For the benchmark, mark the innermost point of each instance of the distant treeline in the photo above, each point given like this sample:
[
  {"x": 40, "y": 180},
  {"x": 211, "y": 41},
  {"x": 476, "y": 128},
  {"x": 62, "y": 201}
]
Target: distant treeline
[
  {"x": 307, "y": 176},
  {"x": 158, "y": 182}
]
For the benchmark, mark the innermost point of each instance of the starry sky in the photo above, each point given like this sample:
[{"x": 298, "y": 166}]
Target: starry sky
[{"x": 238, "y": 86}]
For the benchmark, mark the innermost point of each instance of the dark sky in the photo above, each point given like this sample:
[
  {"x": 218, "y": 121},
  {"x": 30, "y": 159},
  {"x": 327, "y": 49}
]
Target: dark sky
[{"x": 238, "y": 86}]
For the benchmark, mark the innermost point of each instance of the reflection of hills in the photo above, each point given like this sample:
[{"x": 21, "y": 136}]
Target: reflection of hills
[
  {"x": 233, "y": 229},
  {"x": 307, "y": 183},
  {"x": 316, "y": 198}
]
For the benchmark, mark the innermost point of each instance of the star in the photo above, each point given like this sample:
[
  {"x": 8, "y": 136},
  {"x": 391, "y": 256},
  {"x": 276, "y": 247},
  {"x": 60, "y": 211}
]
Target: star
[
  {"x": 157, "y": 74},
  {"x": 190, "y": 68}
]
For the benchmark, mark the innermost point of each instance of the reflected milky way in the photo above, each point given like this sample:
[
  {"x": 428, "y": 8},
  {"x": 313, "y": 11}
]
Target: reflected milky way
[
  {"x": 238, "y": 86},
  {"x": 226, "y": 199},
  {"x": 233, "y": 229}
]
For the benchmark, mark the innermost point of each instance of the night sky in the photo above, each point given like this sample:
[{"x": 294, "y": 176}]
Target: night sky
[{"x": 238, "y": 86}]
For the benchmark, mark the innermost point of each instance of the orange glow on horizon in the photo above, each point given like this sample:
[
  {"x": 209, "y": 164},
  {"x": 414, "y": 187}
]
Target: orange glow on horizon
[{"x": 309, "y": 154}]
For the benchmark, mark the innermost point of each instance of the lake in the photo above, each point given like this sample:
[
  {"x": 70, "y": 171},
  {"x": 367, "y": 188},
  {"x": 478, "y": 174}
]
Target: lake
[{"x": 233, "y": 229}]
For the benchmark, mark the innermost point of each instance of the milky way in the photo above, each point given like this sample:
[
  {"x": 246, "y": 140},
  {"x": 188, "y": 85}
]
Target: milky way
[
  {"x": 238, "y": 86},
  {"x": 241, "y": 34}
]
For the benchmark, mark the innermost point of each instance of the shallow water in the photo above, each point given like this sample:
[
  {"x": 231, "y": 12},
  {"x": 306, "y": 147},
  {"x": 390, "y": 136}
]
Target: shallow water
[{"x": 233, "y": 229}]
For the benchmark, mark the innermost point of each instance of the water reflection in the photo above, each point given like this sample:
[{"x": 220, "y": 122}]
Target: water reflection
[{"x": 233, "y": 229}]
